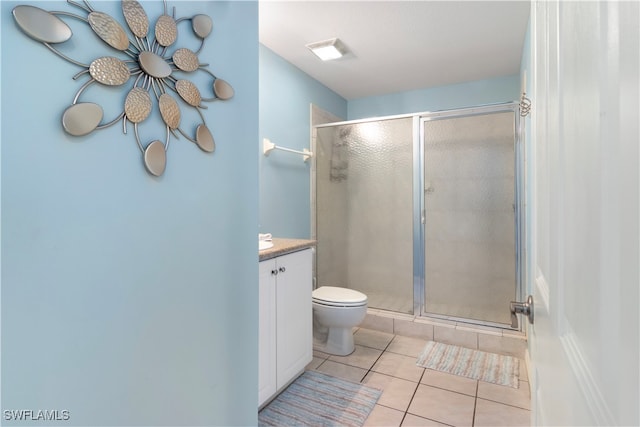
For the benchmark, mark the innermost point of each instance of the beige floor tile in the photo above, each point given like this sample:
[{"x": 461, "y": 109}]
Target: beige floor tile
[
  {"x": 373, "y": 339},
  {"x": 443, "y": 406},
  {"x": 320, "y": 354},
  {"x": 407, "y": 346},
  {"x": 511, "y": 396},
  {"x": 450, "y": 382},
  {"x": 496, "y": 414},
  {"x": 396, "y": 392},
  {"x": 362, "y": 357},
  {"x": 315, "y": 362},
  {"x": 383, "y": 416},
  {"x": 524, "y": 375},
  {"x": 398, "y": 365},
  {"x": 411, "y": 420},
  {"x": 346, "y": 372}
]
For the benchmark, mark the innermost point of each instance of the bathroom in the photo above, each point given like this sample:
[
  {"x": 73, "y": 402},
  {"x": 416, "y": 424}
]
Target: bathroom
[
  {"x": 286, "y": 179},
  {"x": 129, "y": 299}
]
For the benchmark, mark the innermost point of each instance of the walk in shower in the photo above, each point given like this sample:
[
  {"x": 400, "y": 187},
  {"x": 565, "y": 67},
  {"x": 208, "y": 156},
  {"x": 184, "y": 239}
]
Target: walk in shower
[{"x": 422, "y": 212}]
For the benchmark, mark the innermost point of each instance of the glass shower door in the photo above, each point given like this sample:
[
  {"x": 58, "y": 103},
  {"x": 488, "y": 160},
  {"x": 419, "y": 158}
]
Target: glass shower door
[
  {"x": 470, "y": 228},
  {"x": 364, "y": 210}
]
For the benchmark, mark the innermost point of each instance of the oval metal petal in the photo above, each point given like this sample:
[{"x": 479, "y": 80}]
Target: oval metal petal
[
  {"x": 136, "y": 18},
  {"x": 186, "y": 60},
  {"x": 154, "y": 65},
  {"x": 81, "y": 119},
  {"x": 109, "y": 30},
  {"x": 41, "y": 25},
  {"x": 137, "y": 105},
  {"x": 189, "y": 92},
  {"x": 169, "y": 110},
  {"x": 166, "y": 30},
  {"x": 222, "y": 89},
  {"x": 204, "y": 139},
  {"x": 155, "y": 158},
  {"x": 109, "y": 71},
  {"x": 202, "y": 25}
]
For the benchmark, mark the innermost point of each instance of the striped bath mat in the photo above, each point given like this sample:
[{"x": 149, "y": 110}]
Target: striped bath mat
[
  {"x": 479, "y": 365},
  {"x": 316, "y": 399}
]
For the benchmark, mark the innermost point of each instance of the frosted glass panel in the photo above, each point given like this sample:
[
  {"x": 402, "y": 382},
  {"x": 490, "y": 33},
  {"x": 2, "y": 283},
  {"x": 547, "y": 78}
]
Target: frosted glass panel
[
  {"x": 364, "y": 202},
  {"x": 470, "y": 258}
]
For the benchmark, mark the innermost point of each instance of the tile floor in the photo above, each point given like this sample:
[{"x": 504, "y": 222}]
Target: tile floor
[{"x": 415, "y": 396}]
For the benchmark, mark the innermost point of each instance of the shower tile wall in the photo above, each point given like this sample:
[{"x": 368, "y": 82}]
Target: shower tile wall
[{"x": 364, "y": 213}]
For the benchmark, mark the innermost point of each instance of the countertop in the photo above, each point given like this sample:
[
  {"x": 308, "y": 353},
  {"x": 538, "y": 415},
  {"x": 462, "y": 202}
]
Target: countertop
[{"x": 285, "y": 246}]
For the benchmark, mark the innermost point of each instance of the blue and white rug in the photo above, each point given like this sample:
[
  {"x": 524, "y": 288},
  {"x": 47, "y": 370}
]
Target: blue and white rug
[
  {"x": 479, "y": 365},
  {"x": 316, "y": 399}
]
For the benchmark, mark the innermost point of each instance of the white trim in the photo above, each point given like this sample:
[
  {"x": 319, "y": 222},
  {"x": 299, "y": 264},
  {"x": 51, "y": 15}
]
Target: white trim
[{"x": 587, "y": 384}]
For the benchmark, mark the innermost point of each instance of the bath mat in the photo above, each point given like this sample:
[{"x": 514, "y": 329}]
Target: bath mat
[
  {"x": 316, "y": 399},
  {"x": 479, "y": 365}
]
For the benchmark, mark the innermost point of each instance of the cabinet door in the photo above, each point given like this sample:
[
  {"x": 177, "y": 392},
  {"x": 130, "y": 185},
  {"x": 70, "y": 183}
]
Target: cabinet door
[
  {"x": 294, "y": 317},
  {"x": 267, "y": 331}
]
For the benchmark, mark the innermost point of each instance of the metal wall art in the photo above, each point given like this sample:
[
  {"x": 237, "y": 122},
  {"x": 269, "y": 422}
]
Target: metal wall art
[{"x": 147, "y": 73}]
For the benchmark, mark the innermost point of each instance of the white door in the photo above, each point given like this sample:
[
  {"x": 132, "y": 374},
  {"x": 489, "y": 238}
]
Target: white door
[{"x": 585, "y": 217}]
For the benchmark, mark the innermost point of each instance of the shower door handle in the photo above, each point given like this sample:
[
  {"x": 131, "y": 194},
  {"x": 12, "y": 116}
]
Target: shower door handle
[{"x": 525, "y": 308}]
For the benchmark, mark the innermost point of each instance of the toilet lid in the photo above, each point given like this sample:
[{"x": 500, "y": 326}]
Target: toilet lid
[{"x": 333, "y": 294}]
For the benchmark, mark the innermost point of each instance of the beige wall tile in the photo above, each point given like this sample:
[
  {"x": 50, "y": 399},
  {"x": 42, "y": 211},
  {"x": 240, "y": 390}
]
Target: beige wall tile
[
  {"x": 502, "y": 345},
  {"x": 409, "y": 328},
  {"x": 456, "y": 337}
]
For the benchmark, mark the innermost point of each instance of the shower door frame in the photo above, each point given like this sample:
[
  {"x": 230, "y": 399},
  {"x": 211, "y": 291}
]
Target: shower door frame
[
  {"x": 418, "y": 197},
  {"x": 419, "y": 289}
]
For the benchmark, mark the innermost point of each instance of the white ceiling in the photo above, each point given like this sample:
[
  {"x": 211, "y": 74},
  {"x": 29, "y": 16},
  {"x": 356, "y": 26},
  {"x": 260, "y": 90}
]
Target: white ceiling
[{"x": 398, "y": 45}]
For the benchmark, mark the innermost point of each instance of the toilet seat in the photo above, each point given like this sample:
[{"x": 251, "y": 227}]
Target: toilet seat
[{"x": 333, "y": 296}]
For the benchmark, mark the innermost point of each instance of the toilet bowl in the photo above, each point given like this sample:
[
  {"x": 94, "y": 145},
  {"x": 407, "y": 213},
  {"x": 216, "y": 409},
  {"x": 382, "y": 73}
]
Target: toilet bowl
[{"x": 335, "y": 312}]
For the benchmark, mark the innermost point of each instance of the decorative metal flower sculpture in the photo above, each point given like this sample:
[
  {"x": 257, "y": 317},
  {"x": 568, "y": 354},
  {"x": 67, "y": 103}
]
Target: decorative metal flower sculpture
[{"x": 152, "y": 75}]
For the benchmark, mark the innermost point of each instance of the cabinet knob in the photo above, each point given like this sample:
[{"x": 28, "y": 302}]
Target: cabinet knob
[
  {"x": 274, "y": 272},
  {"x": 282, "y": 269}
]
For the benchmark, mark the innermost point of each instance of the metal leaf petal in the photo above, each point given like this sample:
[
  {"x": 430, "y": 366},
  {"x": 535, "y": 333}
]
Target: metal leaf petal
[
  {"x": 202, "y": 25},
  {"x": 223, "y": 90},
  {"x": 166, "y": 30},
  {"x": 41, "y": 25},
  {"x": 81, "y": 119},
  {"x": 169, "y": 110},
  {"x": 109, "y": 71},
  {"x": 186, "y": 60},
  {"x": 109, "y": 30},
  {"x": 204, "y": 139},
  {"x": 137, "y": 105},
  {"x": 136, "y": 17},
  {"x": 189, "y": 92},
  {"x": 155, "y": 158}
]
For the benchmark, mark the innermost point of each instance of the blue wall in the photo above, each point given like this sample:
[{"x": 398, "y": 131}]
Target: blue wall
[
  {"x": 468, "y": 94},
  {"x": 129, "y": 299},
  {"x": 286, "y": 94}
]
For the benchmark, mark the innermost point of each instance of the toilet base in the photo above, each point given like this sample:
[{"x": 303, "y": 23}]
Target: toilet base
[{"x": 339, "y": 342}]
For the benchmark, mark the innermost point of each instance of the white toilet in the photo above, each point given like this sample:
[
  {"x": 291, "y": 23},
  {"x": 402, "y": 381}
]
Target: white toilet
[{"x": 335, "y": 312}]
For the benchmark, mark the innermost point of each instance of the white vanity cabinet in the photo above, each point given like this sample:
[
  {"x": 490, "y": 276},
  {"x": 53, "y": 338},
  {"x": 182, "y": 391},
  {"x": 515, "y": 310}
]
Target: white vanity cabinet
[{"x": 285, "y": 330}]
